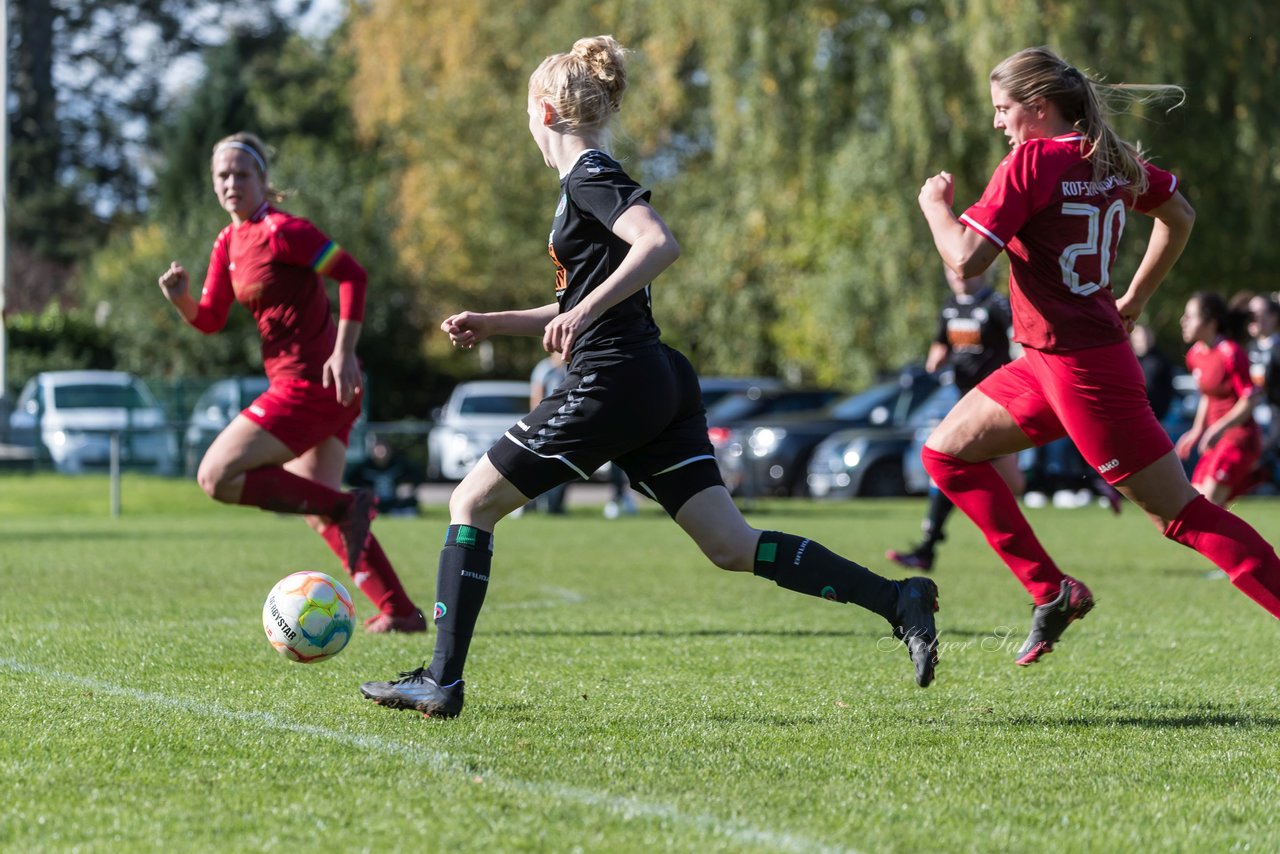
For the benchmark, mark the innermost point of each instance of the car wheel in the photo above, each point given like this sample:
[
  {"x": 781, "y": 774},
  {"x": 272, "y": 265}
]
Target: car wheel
[{"x": 884, "y": 480}]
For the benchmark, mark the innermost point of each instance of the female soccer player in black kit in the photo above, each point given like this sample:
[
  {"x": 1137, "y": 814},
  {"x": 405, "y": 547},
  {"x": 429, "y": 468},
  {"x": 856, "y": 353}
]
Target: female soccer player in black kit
[{"x": 627, "y": 398}]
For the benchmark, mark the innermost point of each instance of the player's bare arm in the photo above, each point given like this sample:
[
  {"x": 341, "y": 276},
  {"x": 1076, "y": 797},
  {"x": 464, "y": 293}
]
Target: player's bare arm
[
  {"x": 341, "y": 370},
  {"x": 468, "y": 328},
  {"x": 653, "y": 249},
  {"x": 963, "y": 250},
  {"x": 1236, "y": 416},
  {"x": 1173, "y": 222}
]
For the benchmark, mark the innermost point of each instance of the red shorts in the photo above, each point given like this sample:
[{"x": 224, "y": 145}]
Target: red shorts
[
  {"x": 302, "y": 413},
  {"x": 1096, "y": 396},
  {"x": 1232, "y": 460}
]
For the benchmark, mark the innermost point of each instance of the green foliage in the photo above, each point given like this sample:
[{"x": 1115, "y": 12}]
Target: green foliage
[
  {"x": 54, "y": 340},
  {"x": 635, "y": 701},
  {"x": 784, "y": 143},
  {"x": 294, "y": 94}
]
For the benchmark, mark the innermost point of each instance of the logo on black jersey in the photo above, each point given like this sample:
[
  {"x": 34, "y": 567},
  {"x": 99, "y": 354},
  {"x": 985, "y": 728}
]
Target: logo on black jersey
[{"x": 564, "y": 203}]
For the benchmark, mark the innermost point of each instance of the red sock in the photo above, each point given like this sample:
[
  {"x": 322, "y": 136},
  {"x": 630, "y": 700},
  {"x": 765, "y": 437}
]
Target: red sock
[
  {"x": 1234, "y": 546},
  {"x": 272, "y": 488},
  {"x": 978, "y": 490},
  {"x": 374, "y": 575}
]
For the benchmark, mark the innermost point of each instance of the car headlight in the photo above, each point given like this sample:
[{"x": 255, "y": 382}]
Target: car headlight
[
  {"x": 853, "y": 453},
  {"x": 764, "y": 440}
]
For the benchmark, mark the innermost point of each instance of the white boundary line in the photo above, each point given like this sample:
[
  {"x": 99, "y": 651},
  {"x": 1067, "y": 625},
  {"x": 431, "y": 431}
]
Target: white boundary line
[{"x": 442, "y": 762}]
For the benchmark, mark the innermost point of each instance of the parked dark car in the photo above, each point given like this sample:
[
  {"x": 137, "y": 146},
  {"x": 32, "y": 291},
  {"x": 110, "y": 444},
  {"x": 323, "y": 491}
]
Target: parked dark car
[
  {"x": 740, "y": 406},
  {"x": 714, "y": 388},
  {"x": 213, "y": 411},
  {"x": 770, "y": 455},
  {"x": 869, "y": 462}
]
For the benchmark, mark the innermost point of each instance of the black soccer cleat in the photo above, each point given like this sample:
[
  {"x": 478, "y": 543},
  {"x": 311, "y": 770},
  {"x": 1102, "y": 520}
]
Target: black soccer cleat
[
  {"x": 921, "y": 557},
  {"x": 418, "y": 691},
  {"x": 1050, "y": 620},
  {"x": 913, "y": 625}
]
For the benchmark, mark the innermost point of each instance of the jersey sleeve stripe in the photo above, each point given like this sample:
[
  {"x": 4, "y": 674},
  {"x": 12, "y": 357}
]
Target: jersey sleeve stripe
[
  {"x": 978, "y": 227},
  {"x": 326, "y": 256}
]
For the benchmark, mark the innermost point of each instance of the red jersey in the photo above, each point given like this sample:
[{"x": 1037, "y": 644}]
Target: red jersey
[
  {"x": 1222, "y": 375},
  {"x": 1060, "y": 229},
  {"x": 271, "y": 264}
]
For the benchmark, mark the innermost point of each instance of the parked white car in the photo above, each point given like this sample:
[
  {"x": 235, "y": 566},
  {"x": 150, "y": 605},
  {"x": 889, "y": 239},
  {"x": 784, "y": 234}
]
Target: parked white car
[
  {"x": 73, "y": 414},
  {"x": 473, "y": 418}
]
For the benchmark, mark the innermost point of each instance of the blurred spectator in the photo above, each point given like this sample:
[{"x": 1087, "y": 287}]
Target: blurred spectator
[
  {"x": 546, "y": 378},
  {"x": 390, "y": 476},
  {"x": 621, "y": 504},
  {"x": 1264, "y": 359},
  {"x": 1157, "y": 369}
]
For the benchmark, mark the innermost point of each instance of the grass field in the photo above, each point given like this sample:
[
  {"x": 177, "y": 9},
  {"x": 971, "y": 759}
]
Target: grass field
[{"x": 623, "y": 695}]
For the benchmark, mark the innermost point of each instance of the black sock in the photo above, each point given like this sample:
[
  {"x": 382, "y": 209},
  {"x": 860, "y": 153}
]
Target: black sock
[
  {"x": 807, "y": 567},
  {"x": 935, "y": 518},
  {"x": 461, "y": 583}
]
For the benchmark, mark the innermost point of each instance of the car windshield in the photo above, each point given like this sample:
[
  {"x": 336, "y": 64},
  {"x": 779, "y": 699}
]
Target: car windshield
[
  {"x": 100, "y": 396},
  {"x": 860, "y": 406},
  {"x": 732, "y": 407},
  {"x": 935, "y": 407},
  {"x": 493, "y": 404}
]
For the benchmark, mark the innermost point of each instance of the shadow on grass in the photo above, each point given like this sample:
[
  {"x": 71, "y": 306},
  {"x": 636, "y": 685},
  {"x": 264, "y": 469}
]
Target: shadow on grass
[
  {"x": 1189, "y": 720},
  {"x": 211, "y": 537},
  {"x": 779, "y": 507},
  {"x": 683, "y": 633}
]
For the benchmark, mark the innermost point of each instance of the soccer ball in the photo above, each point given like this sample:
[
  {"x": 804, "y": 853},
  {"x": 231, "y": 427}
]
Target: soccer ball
[{"x": 308, "y": 617}]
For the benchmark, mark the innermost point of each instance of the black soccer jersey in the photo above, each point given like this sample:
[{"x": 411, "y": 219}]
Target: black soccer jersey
[
  {"x": 594, "y": 193},
  {"x": 1264, "y": 367},
  {"x": 976, "y": 329}
]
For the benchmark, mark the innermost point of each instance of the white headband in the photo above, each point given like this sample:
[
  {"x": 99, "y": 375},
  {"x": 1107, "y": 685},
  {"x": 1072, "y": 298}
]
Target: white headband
[{"x": 243, "y": 147}]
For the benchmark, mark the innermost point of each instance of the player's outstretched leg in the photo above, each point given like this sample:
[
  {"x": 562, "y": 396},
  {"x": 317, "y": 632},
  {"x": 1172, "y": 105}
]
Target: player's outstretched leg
[
  {"x": 1050, "y": 620},
  {"x": 1234, "y": 546},
  {"x": 808, "y": 567},
  {"x": 377, "y": 579},
  {"x": 354, "y": 525},
  {"x": 461, "y": 583}
]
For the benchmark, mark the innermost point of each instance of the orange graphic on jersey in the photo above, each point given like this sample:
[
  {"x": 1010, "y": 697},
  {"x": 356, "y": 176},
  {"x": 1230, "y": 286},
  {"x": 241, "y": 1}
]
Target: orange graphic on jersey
[
  {"x": 561, "y": 281},
  {"x": 964, "y": 335}
]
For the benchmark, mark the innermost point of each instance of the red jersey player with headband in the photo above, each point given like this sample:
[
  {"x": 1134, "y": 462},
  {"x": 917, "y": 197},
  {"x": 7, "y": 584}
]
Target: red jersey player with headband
[
  {"x": 1056, "y": 205},
  {"x": 287, "y": 450}
]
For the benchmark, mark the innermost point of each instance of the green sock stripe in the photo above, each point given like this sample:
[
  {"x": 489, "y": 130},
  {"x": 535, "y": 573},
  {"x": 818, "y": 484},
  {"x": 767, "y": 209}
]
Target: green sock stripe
[
  {"x": 469, "y": 537},
  {"x": 766, "y": 552}
]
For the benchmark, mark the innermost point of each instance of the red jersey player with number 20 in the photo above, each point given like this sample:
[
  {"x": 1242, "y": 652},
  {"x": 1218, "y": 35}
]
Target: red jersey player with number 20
[
  {"x": 1056, "y": 205},
  {"x": 287, "y": 450}
]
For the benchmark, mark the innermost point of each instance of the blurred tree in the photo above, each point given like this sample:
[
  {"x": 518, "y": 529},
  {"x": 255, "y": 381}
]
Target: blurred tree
[
  {"x": 87, "y": 80},
  {"x": 786, "y": 142}
]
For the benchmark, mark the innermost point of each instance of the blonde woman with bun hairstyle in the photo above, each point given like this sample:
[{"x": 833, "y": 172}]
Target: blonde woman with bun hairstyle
[{"x": 628, "y": 398}]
